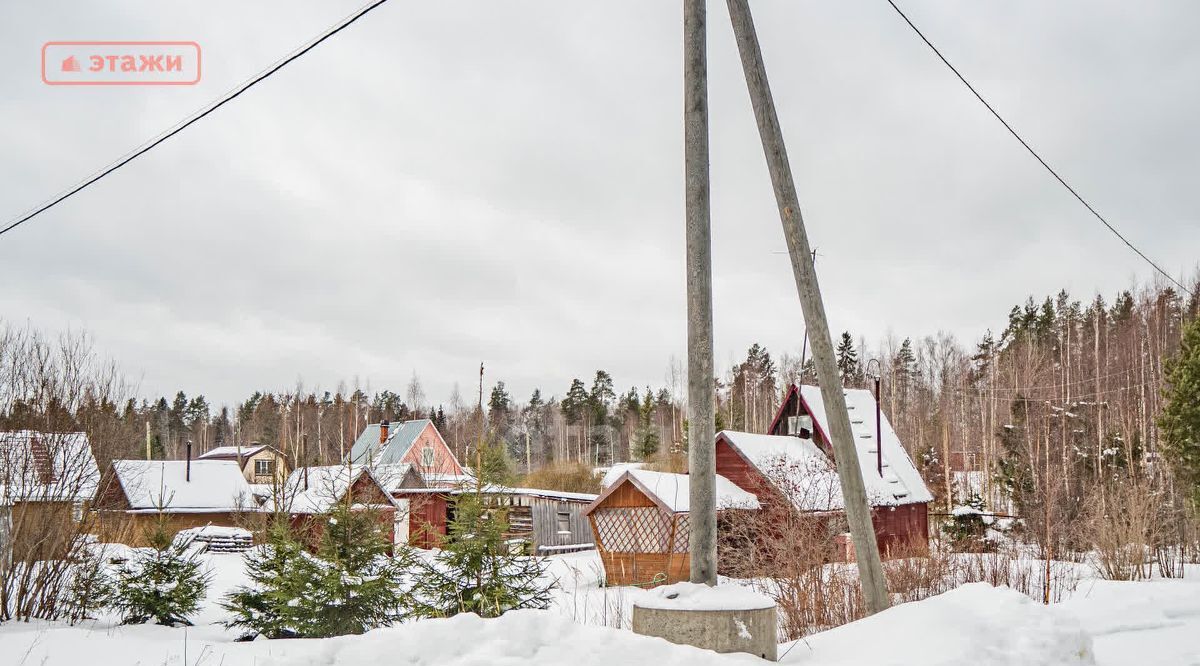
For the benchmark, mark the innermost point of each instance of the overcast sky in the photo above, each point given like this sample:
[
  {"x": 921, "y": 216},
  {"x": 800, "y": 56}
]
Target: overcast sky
[{"x": 445, "y": 183}]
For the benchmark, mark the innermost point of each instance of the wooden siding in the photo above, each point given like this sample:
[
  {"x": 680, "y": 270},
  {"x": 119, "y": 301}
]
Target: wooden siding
[
  {"x": 427, "y": 518},
  {"x": 637, "y": 538},
  {"x": 642, "y": 569},
  {"x": 547, "y": 523},
  {"x": 40, "y": 530},
  {"x": 133, "y": 529}
]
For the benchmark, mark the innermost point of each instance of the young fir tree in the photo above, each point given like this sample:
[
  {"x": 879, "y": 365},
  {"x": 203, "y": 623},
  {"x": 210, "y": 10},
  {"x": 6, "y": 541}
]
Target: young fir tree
[
  {"x": 351, "y": 584},
  {"x": 1180, "y": 420},
  {"x": 164, "y": 583},
  {"x": 279, "y": 571},
  {"x": 359, "y": 586},
  {"x": 477, "y": 570}
]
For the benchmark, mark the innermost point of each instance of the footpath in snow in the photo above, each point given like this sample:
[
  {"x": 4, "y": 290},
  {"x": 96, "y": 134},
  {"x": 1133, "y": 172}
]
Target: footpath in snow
[{"x": 1104, "y": 623}]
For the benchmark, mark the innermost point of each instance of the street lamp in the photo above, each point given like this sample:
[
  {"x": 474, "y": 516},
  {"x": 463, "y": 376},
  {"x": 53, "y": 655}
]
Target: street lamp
[{"x": 878, "y": 414}]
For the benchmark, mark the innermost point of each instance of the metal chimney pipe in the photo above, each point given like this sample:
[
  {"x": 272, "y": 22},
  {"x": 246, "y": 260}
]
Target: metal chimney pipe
[
  {"x": 878, "y": 427},
  {"x": 188, "y": 470}
]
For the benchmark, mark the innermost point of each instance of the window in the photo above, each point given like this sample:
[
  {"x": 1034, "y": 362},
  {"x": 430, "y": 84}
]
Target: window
[
  {"x": 263, "y": 467},
  {"x": 564, "y": 520},
  {"x": 427, "y": 456}
]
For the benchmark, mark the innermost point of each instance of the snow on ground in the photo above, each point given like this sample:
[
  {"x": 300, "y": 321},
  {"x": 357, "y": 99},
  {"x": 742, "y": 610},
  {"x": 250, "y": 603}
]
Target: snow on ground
[
  {"x": 975, "y": 624},
  {"x": 1104, "y": 623}
]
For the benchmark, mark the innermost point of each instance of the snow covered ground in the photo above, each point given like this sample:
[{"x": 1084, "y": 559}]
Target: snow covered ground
[{"x": 1104, "y": 623}]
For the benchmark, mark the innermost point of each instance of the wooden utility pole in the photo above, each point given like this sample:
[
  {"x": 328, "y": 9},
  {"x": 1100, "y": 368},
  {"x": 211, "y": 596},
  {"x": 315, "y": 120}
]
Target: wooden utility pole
[
  {"x": 702, "y": 539},
  {"x": 858, "y": 512}
]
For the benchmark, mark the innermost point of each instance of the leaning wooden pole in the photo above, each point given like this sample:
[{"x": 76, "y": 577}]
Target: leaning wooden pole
[
  {"x": 858, "y": 512},
  {"x": 702, "y": 538}
]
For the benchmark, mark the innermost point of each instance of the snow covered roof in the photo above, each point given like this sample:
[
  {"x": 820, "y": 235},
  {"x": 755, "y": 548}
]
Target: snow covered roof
[
  {"x": 494, "y": 489},
  {"x": 796, "y": 467},
  {"x": 37, "y": 466},
  {"x": 613, "y": 473},
  {"x": 399, "y": 476},
  {"x": 231, "y": 452},
  {"x": 215, "y": 486},
  {"x": 317, "y": 489},
  {"x": 900, "y": 483},
  {"x": 671, "y": 491}
]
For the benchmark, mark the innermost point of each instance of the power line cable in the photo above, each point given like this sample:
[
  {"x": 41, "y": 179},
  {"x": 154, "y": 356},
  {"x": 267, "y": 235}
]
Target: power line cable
[
  {"x": 1036, "y": 156},
  {"x": 222, "y": 101}
]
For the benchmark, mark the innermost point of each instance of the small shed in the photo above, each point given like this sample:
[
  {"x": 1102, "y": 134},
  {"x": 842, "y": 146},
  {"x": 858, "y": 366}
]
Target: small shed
[
  {"x": 550, "y": 521},
  {"x": 641, "y": 525}
]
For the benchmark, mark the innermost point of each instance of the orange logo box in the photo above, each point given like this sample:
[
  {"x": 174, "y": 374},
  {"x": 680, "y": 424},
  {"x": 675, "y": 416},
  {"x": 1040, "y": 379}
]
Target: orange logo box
[{"x": 120, "y": 63}]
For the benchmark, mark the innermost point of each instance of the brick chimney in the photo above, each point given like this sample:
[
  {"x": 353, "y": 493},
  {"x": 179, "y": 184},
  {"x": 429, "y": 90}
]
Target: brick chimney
[
  {"x": 41, "y": 460},
  {"x": 383, "y": 430}
]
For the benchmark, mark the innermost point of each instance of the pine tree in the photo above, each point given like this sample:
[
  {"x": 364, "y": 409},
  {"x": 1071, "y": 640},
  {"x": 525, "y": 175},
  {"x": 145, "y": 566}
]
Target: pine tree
[
  {"x": 1180, "y": 420},
  {"x": 164, "y": 583},
  {"x": 847, "y": 360},
  {"x": 647, "y": 434}
]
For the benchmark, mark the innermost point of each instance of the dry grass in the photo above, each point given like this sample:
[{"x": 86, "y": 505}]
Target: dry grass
[
  {"x": 665, "y": 461},
  {"x": 573, "y": 477}
]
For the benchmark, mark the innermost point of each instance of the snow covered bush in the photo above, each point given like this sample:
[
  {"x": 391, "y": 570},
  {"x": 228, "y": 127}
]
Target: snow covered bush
[
  {"x": 164, "y": 583},
  {"x": 349, "y": 586},
  {"x": 966, "y": 528},
  {"x": 477, "y": 571}
]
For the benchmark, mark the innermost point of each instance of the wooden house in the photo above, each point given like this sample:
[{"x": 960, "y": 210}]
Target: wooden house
[
  {"x": 260, "y": 464},
  {"x": 47, "y": 481},
  {"x": 641, "y": 527},
  {"x": 135, "y": 495},
  {"x": 796, "y": 460},
  {"x": 309, "y": 493},
  {"x": 417, "y": 443}
]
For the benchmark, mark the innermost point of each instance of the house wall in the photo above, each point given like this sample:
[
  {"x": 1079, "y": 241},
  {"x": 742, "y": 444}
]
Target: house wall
[
  {"x": 279, "y": 475},
  {"x": 133, "y": 529},
  {"x": 443, "y": 458},
  {"x": 41, "y": 530},
  {"x": 427, "y": 518},
  {"x": 901, "y": 530}
]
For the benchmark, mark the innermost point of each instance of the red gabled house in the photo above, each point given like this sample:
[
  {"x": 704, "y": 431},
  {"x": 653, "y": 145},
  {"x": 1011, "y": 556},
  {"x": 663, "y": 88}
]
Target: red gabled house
[{"x": 796, "y": 461}]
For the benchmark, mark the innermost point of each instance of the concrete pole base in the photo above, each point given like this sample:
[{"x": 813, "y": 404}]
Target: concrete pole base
[{"x": 752, "y": 631}]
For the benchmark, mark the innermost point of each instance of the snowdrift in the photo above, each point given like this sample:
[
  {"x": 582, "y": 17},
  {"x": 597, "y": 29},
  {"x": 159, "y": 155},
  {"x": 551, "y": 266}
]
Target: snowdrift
[{"x": 975, "y": 624}]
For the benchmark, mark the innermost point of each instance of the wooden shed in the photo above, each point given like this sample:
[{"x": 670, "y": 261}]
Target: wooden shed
[
  {"x": 641, "y": 527},
  {"x": 135, "y": 494},
  {"x": 551, "y": 521}
]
